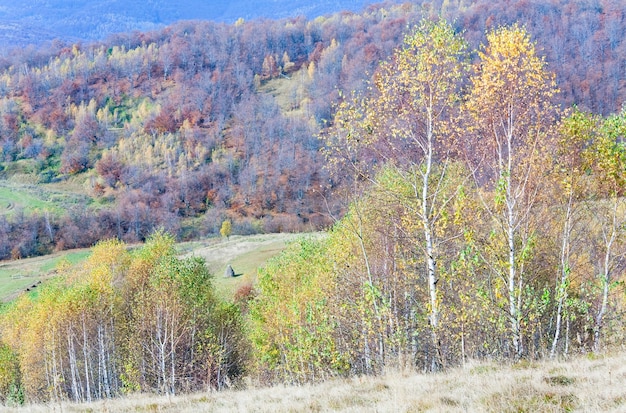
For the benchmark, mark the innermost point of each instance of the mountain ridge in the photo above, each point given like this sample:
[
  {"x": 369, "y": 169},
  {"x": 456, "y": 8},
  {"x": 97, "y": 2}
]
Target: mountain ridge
[{"x": 82, "y": 20}]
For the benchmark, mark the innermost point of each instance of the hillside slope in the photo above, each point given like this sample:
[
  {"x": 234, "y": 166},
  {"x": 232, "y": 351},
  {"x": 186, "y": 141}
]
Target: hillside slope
[{"x": 199, "y": 122}]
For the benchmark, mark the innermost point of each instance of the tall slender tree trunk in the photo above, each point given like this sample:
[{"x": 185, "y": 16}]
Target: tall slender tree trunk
[
  {"x": 564, "y": 268},
  {"x": 73, "y": 368},
  {"x": 605, "y": 278},
  {"x": 430, "y": 250},
  {"x": 55, "y": 371},
  {"x": 173, "y": 356},
  {"x": 513, "y": 313},
  {"x": 86, "y": 360},
  {"x": 511, "y": 229},
  {"x": 102, "y": 361},
  {"x": 370, "y": 281},
  {"x": 161, "y": 342}
]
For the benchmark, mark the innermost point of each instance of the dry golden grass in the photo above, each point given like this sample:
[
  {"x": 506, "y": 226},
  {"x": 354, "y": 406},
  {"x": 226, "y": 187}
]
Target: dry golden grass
[{"x": 584, "y": 384}]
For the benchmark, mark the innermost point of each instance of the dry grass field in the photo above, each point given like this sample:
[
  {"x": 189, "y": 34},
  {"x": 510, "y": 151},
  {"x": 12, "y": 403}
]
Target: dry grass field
[{"x": 583, "y": 384}]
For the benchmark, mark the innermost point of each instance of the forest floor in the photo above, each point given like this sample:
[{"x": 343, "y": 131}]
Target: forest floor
[{"x": 580, "y": 384}]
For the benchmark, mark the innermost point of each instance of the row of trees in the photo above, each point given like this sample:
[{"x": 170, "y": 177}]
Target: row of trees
[
  {"x": 488, "y": 225},
  {"x": 121, "y": 322}
]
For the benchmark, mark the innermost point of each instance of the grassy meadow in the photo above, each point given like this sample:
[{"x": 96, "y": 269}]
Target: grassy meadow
[
  {"x": 244, "y": 253},
  {"x": 16, "y": 276},
  {"x": 30, "y": 198},
  {"x": 581, "y": 384}
]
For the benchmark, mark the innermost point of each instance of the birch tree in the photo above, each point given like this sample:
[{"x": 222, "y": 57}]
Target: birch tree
[
  {"x": 403, "y": 123},
  {"x": 510, "y": 113},
  {"x": 607, "y": 161},
  {"x": 575, "y": 132}
]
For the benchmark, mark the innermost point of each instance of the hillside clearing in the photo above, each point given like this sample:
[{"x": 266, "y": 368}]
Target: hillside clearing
[
  {"x": 30, "y": 198},
  {"x": 583, "y": 384},
  {"x": 16, "y": 276},
  {"x": 244, "y": 253}
]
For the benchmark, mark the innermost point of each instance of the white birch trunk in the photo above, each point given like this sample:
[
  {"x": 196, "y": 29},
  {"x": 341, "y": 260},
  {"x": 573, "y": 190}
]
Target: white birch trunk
[
  {"x": 606, "y": 278},
  {"x": 86, "y": 360},
  {"x": 561, "y": 287},
  {"x": 430, "y": 250}
]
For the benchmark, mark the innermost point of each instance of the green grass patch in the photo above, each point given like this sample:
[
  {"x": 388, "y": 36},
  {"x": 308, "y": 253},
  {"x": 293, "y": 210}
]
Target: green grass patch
[
  {"x": 244, "y": 253},
  {"x": 73, "y": 257},
  {"x": 13, "y": 282},
  {"x": 31, "y": 199},
  {"x": 17, "y": 276},
  {"x": 14, "y": 199}
]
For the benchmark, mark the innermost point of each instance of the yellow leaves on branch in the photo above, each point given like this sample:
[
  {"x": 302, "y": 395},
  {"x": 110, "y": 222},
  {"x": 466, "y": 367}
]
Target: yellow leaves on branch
[
  {"x": 420, "y": 84},
  {"x": 512, "y": 83},
  {"x": 406, "y": 109}
]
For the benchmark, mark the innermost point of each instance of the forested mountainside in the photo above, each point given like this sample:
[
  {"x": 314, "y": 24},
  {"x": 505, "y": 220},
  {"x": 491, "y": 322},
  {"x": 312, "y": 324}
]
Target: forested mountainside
[
  {"x": 200, "y": 122},
  {"x": 38, "y": 21}
]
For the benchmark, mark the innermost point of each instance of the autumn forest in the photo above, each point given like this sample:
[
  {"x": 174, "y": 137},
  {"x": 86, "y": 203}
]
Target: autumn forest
[{"x": 464, "y": 160}]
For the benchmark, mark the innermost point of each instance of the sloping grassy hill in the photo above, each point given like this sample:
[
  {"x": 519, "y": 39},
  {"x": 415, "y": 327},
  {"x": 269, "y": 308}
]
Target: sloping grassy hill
[
  {"x": 18, "y": 276},
  {"x": 583, "y": 384},
  {"x": 244, "y": 253},
  {"x": 30, "y": 198}
]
